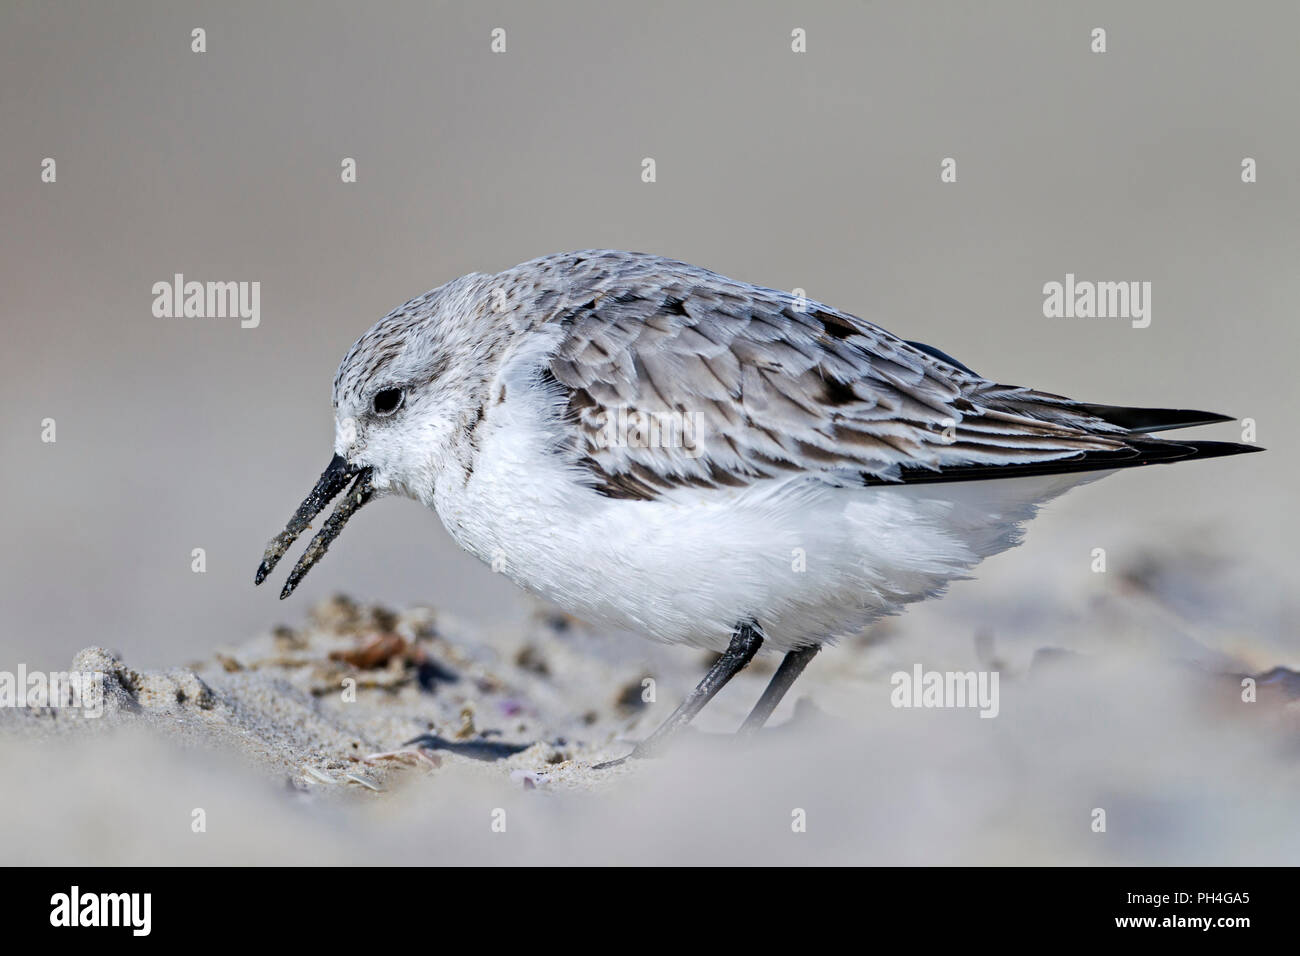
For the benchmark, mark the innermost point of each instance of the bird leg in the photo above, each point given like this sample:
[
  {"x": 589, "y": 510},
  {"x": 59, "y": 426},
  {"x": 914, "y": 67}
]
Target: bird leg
[
  {"x": 791, "y": 667},
  {"x": 745, "y": 641}
]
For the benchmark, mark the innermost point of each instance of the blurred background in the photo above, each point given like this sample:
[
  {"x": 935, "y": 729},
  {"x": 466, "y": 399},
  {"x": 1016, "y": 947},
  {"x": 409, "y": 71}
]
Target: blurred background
[{"x": 817, "y": 170}]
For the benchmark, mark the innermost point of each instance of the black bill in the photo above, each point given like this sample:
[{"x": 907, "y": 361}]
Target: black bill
[{"x": 333, "y": 480}]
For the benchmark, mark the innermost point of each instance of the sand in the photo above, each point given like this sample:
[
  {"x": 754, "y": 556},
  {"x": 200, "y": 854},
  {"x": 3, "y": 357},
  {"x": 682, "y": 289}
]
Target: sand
[{"x": 295, "y": 747}]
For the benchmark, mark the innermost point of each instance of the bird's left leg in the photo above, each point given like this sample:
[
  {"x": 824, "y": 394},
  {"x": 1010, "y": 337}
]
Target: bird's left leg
[
  {"x": 745, "y": 641},
  {"x": 791, "y": 667}
]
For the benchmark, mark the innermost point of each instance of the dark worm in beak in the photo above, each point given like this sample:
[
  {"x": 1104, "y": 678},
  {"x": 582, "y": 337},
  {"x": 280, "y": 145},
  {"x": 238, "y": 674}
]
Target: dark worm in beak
[{"x": 333, "y": 480}]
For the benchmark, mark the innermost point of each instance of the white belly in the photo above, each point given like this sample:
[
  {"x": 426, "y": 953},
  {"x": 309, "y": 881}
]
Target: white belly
[{"x": 808, "y": 561}]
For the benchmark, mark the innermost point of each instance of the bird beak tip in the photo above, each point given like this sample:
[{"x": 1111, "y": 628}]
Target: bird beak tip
[{"x": 333, "y": 480}]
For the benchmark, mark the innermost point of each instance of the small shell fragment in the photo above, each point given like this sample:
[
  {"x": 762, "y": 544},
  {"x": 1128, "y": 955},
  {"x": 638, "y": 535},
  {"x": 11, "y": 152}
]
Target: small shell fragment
[
  {"x": 407, "y": 755},
  {"x": 366, "y": 782},
  {"x": 316, "y": 776},
  {"x": 531, "y": 779}
]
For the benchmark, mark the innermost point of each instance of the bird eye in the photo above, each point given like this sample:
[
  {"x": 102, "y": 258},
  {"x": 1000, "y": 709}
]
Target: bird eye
[{"x": 388, "y": 400}]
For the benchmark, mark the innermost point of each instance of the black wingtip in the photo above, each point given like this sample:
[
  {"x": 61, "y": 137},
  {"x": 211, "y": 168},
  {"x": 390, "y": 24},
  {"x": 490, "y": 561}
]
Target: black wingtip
[
  {"x": 1143, "y": 420},
  {"x": 1136, "y": 453},
  {"x": 1218, "y": 449}
]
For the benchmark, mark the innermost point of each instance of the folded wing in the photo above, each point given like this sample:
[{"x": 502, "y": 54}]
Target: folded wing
[{"x": 678, "y": 377}]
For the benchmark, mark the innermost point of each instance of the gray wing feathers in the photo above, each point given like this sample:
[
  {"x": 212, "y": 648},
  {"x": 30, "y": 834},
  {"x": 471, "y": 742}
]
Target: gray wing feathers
[{"x": 773, "y": 384}]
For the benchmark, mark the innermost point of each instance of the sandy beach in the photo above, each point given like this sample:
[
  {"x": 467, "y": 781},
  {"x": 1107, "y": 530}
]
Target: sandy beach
[{"x": 291, "y": 748}]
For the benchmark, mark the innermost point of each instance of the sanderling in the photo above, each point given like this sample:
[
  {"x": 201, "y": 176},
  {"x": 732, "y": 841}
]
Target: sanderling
[{"x": 657, "y": 447}]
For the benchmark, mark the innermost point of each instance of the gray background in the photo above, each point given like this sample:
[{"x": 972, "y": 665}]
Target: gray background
[{"x": 818, "y": 171}]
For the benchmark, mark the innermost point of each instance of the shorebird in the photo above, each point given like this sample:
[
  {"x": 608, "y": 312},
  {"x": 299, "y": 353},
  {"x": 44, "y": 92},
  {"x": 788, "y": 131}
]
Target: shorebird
[{"x": 656, "y": 447}]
